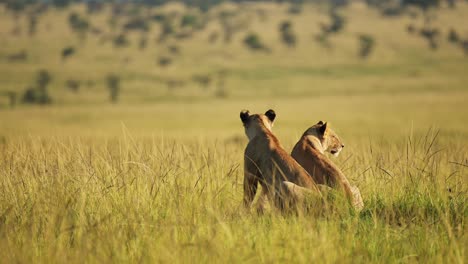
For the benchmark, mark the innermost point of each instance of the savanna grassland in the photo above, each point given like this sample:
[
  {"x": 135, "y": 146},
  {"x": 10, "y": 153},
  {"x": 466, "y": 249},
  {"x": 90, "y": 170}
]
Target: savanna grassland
[{"x": 157, "y": 175}]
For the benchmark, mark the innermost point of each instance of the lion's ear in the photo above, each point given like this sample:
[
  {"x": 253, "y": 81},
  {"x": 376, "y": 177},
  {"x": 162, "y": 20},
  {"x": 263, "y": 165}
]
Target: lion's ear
[
  {"x": 244, "y": 115},
  {"x": 271, "y": 115},
  {"x": 320, "y": 122},
  {"x": 323, "y": 129}
]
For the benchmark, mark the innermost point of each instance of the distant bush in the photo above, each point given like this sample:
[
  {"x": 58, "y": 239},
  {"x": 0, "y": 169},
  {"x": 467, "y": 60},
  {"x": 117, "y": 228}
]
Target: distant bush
[
  {"x": 453, "y": 36},
  {"x": 166, "y": 30},
  {"x": 61, "y": 3},
  {"x": 73, "y": 85},
  {"x": 423, "y": 4},
  {"x": 11, "y": 95},
  {"x": 164, "y": 61},
  {"x": 189, "y": 20},
  {"x": 430, "y": 34},
  {"x": 68, "y": 52},
  {"x": 78, "y": 24},
  {"x": 295, "y": 9},
  {"x": 159, "y": 17},
  {"x": 452, "y": 3},
  {"x": 253, "y": 42},
  {"x": 121, "y": 41},
  {"x": 183, "y": 35},
  {"x": 113, "y": 85},
  {"x": 32, "y": 24},
  {"x": 337, "y": 23},
  {"x": 202, "y": 79},
  {"x": 43, "y": 79},
  {"x": 230, "y": 25},
  {"x": 94, "y": 6},
  {"x": 174, "y": 49},
  {"x": 143, "y": 42},
  {"x": 18, "y": 56},
  {"x": 173, "y": 84},
  {"x": 464, "y": 46},
  {"x": 213, "y": 37},
  {"x": 287, "y": 35},
  {"x": 136, "y": 23},
  {"x": 338, "y": 3},
  {"x": 38, "y": 94},
  {"x": 410, "y": 29},
  {"x": 366, "y": 45}
]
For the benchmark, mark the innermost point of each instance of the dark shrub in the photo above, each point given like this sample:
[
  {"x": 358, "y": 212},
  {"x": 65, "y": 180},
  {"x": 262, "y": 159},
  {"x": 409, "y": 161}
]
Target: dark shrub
[
  {"x": 430, "y": 34},
  {"x": 366, "y": 45},
  {"x": 113, "y": 84},
  {"x": 174, "y": 49},
  {"x": 136, "y": 23},
  {"x": 78, "y": 23},
  {"x": 453, "y": 36},
  {"x": 164, "y": 61},
  {"x": 287, "y": 35},
  {"x": 189, "y": 20},
  {"x": 253, "y": 42},
  {"x": 19, "y": 56},
  {"x": 295, "y": 9},
  {"x": 121, "y": 41},
  {"x": 38, "y": 94},
  {"x": 67, "y": 52}
]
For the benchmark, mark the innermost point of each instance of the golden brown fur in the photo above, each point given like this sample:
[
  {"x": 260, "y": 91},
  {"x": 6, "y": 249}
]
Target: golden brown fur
[
  {"x": 267, "y": 163},
  {"x": 309, "y": 153}
]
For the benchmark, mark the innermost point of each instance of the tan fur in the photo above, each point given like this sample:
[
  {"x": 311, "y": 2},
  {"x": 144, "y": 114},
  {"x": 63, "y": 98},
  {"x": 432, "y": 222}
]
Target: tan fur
[
  {"x": 309, "y": 153},
  {"x": 268, "y": 164}
]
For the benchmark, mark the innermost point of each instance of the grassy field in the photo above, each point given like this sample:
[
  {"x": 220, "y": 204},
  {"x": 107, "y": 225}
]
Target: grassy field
[{"x": 157, "y": 177}]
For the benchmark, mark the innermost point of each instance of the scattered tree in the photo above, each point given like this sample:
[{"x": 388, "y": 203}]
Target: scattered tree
[
  {"x": 164, "y": 61},
  {"x": 430, "y": 34},
  {"x": 113, "y": 85},
  {"x": 121, "y": 41},
  {"x": 204, "y": 80},
  {"x": 78, "y": 24},
  {"x": 287, "y": 35},
  {"x": 453, "y": 36},
  {"x": 337, "y": 23},
  {"x": 32, "y": 24},
  {"x": 136, "y": 23},
  {"x": 295, "y": 9},
  {"x": 166, "y": 30},
  {"x": 38, "y": 94},
  {"x": 464, "y": 46},
  {"x": 67, "y": 52},
  {"x": 189, "y": 20},
  {"x": 366, "y": 45},
  {"x": 253, "y": 42}
]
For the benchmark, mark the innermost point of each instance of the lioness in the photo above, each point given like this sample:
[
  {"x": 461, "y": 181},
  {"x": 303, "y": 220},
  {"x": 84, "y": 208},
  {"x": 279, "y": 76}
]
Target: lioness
[
  {"x": 268, "y": 164},
  {"x": 309, "y": 152}
]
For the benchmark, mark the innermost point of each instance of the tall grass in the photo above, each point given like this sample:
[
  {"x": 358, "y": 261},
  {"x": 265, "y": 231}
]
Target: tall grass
[{"x": 159, "y": 200}]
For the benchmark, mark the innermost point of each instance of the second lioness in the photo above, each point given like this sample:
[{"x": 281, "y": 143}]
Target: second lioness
[
  {"x": 268, "y": 164},
  {"x": 309, "y": 152}
]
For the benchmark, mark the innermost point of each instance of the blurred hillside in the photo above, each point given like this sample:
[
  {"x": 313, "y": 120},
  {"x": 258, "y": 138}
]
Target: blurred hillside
[{"x": 96, "y": 52}]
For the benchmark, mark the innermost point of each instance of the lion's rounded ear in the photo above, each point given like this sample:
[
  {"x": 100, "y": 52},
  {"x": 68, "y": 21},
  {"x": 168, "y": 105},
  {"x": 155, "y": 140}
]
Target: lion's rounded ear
[
  {"x": 320, "y": 122},
  {"x": 271, "y": 115},
  {"x": 323, "y": 129},
  {"x": 244, "y": 115}
]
